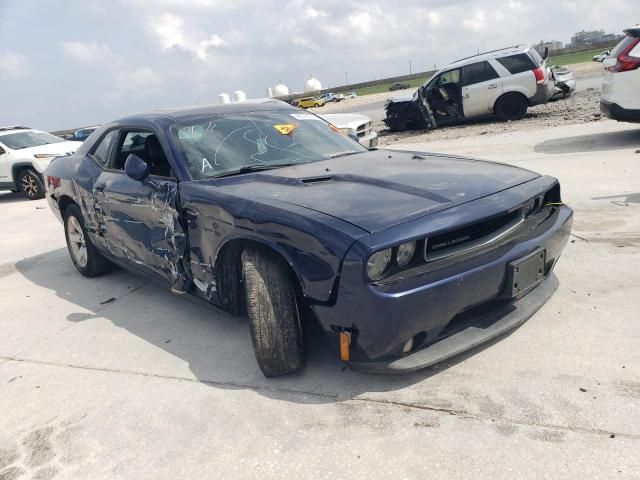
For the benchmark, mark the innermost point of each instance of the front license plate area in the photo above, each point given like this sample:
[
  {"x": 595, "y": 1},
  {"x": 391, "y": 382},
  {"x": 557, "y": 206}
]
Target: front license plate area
[{"x": 526, "y": 272}]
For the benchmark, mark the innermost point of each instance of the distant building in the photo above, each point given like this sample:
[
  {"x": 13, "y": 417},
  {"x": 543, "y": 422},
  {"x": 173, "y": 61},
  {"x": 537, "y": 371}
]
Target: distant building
[
  {"x": 591, "y": 37},
  {"x": 551, "y": 45}
]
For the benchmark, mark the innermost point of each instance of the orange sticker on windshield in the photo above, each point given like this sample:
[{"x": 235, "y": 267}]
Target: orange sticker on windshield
[
  {"x": 285, "y": 129},
  {"x": 334, "y": 128}
]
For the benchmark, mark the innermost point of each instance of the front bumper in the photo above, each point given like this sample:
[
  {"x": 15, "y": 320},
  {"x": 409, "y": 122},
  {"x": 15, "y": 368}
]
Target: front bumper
[
  {"x": 451, "y": 309},
  {"x": 616, "y": 112},
  {"x": 369, "y": 140}
]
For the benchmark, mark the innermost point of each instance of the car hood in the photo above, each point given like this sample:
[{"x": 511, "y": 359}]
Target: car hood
[
  {"x": 60, "y": 148},
  {"x": 377, "y": 189},
  {"x": 345, "y": 120},
  {"x": 401, "y": 98}
]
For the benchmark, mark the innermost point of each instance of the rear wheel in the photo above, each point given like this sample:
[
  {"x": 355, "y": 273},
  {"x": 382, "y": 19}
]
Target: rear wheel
[
  {"x": 31, "y": 184},
  {"x": 274, "y": 318},
  {"x": 84, "y": 255},
  {"x": 512, "y": 106}
]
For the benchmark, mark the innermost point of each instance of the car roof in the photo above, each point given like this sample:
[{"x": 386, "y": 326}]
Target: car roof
[
  {"x": 501, "y": 52},
  {"x": 180, "y": 113},
  {"x": 8, "y": 130}
]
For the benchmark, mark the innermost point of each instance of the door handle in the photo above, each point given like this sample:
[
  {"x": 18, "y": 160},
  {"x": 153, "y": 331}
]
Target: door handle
[
  {"x": 99, "y": 187},
  {"x": 493, "y": 85}
]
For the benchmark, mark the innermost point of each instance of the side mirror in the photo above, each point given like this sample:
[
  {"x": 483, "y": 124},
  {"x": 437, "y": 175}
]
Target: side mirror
[
  {"x": 136, "y": 168},
  {"x": 546, "y": 53}
]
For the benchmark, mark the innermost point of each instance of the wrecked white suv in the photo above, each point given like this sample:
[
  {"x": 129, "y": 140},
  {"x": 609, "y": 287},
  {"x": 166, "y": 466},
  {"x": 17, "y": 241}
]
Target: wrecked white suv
[{"x": 503, "y": 82}]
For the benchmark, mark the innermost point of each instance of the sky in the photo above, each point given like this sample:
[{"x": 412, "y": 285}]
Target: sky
[{"x": 73, "y": 63}]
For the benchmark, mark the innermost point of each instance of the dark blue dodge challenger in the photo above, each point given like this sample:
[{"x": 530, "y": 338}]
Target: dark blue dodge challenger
[{"x": 403, "y": 258}]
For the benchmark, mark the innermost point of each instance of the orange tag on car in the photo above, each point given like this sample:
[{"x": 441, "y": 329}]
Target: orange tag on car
[{"x": 285, "y": 129}]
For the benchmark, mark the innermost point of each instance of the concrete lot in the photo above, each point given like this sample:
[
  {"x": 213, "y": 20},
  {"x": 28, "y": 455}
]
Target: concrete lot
[{"x": 115, "y": 377}]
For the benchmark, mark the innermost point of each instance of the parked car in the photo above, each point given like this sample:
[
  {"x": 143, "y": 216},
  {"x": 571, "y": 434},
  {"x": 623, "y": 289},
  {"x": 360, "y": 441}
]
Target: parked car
[
  {"x": 399, "y": 86},
  {"x": 621, "y": 87},
  {"x": 504, "y": 83},
  {"x": 351, "y": 95},
  {"x": 403, "y": 258},
  {"x": 601, "y": 56},
  {"x": 309, "y": 102},
  {"x": 82, "y": 134},
  {"x": 24, "y": 154},
  {"x": 332, "y": 97},
  {"x": 356, "y": 125},
  {"x": 564, "y": 81}
]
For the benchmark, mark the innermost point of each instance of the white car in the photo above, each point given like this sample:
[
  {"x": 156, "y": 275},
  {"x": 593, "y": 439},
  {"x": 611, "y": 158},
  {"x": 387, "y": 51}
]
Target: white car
[
  {"x": 354, "y": 125},
  {"x": 504, "y": 83},
  {"x": 621, "y": 87},
  {"x": 601, "y": 56},
  {"x": 24, "y": 154}
]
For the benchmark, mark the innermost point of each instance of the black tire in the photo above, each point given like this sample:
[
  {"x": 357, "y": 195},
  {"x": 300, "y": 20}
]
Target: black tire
[
  {"x": 511, "y": 106},
  {"x": 273, "y": 313},
  {"x": 96, "y": 264},
  {"x": 31, "y": 184}
]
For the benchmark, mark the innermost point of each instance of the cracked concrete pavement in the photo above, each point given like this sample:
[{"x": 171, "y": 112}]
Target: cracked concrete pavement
[{"x": 114, "y": 377}]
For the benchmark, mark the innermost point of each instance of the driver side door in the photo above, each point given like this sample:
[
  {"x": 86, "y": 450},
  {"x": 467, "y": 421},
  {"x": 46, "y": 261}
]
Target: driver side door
[{"x": 142, "y": 221}]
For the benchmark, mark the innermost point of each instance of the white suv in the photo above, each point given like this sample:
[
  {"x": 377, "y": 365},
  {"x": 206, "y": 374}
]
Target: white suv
[
  {"x": 503, "y": 82},
  {"x": 621, "y": 88},
  {"x": 24, "y": 154}
]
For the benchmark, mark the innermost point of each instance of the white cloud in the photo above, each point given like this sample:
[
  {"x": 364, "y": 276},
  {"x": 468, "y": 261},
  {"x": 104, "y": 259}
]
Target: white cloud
[
  {"x": 362, "y": 22},
  {"x": 127, "y": 80},
  {"x": 476, "y": 22},
  {"x": 311, "y": 13},
  {"x": 14, "y": 65},
  {"x": 171, "y": 33},
  {"x": 91, "y": 53}
]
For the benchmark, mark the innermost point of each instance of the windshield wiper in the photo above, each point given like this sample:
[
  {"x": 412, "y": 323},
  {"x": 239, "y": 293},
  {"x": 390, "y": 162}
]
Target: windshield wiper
[{"x": 254, "y": 168}]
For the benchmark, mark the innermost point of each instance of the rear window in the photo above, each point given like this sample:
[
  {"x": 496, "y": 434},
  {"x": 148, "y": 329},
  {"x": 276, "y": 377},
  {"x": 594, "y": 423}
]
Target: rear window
[
  {"x": 478, "y": 72},
  {"x": 624, "y": 43},
  {"x": 517, "y": 63}
]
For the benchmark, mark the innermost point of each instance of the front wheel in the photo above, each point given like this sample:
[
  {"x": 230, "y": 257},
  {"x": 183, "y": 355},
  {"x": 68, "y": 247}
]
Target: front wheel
[
  {"x": 31, "y": 184},
  {"x": 512, "y": 106},
  {"x": 274, "y": 319},
  {"x": 84, "y": 255}
]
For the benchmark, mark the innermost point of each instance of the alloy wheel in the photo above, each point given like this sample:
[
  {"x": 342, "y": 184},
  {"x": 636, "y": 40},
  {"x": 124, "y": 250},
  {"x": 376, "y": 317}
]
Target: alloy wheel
[
  {"x": 77, "y": 243},
  {"x": 29, "y": 185}
]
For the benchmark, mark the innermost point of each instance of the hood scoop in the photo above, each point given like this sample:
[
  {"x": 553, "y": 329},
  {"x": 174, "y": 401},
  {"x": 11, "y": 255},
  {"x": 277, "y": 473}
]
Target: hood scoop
[{"x": 314, "y": 180}]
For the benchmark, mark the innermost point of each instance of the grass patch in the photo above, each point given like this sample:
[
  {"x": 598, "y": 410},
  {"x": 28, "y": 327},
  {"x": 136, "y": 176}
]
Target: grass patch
[
  {"x": 570, "y": 58},
  {"x": 415, "y": 83}
]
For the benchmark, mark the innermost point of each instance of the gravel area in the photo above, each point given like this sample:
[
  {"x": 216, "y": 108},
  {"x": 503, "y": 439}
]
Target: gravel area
[{"x": 580, "y": 107}]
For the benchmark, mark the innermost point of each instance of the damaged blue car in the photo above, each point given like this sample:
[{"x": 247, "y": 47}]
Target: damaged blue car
[{"x": 403, "y": 258}]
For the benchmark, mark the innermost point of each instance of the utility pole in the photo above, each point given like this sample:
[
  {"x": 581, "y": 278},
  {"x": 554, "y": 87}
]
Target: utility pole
[
  {"x": 410, "y": 72},
  {"x": 346, "y": 77}
]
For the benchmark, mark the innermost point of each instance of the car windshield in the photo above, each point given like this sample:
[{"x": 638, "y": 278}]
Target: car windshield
[
  {"x": 20, "y": 140},
  {"x": 222, "y": 145}
]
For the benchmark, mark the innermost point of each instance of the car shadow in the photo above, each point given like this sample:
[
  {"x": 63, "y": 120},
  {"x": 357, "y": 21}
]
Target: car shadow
[
  {"x": 13, "y": 197},
  {"x": 604, "y": 141},
  {"x": 215, "y": 346},
  {"x": 623, "y": 200}
]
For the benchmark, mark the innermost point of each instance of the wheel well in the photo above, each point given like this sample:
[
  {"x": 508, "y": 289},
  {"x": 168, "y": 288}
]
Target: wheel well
[
  {"x": 228, "y": 271},
  {"x": 64, "y": 202},
  {"x": 16, "y": 170},
  {"x": 506, "y": 94}
]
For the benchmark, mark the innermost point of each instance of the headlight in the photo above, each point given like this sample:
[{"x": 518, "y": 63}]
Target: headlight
[
  {"x": 378, "y": 263},
  {"x": 405, "y": 254}
]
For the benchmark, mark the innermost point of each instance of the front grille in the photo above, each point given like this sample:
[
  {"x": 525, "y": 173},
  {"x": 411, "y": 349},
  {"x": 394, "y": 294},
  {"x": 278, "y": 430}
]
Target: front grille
[{"x": 470, "y": 233}]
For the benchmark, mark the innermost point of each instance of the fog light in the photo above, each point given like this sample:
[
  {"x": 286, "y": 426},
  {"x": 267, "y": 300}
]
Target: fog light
[{"x": 408, "y": 346}]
